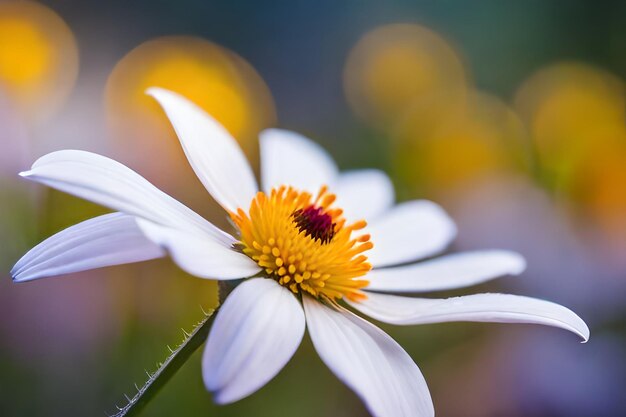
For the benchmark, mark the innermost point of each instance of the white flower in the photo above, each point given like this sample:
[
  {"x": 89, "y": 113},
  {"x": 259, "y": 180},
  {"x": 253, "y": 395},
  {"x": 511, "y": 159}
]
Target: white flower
[{"x": 297, "y": 250}]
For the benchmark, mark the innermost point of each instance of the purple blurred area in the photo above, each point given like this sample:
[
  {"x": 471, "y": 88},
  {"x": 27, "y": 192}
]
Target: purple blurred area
[{"x": 511, "y": 115}]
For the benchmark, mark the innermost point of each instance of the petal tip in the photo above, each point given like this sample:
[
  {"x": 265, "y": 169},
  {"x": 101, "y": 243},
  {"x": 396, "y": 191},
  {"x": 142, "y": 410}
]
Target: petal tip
[
  {"x": 452, "y": 227},
  {"x": 19, "y": 277},
  {"x": 221, "y": 397},
  {"x": 518, "y": 263},
  {"x": 575, "y": 324},
  {"x": 447, "y": 220},
  {"x": 18, "y": 270},
  {"x": 155, "y": 91},
  {"x": 269, "y": 131},
  {"x": 270, "y": 134},
  {"x": 584, "y": 334}
]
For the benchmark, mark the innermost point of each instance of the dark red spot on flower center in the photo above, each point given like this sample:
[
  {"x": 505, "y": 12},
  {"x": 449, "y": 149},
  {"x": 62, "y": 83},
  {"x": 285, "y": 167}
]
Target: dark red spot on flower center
[{"x": 314, "y": 222}]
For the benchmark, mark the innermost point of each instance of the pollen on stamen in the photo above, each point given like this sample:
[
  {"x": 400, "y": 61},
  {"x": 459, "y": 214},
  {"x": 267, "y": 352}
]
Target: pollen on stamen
[{"x": 304, "y": 243}]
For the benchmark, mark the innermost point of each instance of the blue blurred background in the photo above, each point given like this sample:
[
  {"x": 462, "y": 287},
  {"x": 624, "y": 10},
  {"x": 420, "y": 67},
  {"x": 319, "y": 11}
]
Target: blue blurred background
[{"x": 509, "y": 114}]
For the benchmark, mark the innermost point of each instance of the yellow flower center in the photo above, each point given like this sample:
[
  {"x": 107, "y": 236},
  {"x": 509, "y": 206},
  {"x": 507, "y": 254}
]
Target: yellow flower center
[{"x": 304, "y": 243}]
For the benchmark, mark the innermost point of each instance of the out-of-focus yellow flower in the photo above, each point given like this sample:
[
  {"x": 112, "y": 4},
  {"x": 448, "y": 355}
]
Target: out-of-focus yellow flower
[
  {"x": 479, "y": 137},
  {"x": 219, "y": 81},
  {"x": 577, "y": 119},
  {"x": 38, "y": 58},
  {"x": 570, "y": 108},
  {"x": 597, "y": 184},
  {"x": 396, "y": 65}
]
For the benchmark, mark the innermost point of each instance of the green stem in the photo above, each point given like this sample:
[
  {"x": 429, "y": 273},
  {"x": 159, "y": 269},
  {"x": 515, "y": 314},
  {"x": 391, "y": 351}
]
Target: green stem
[{"x": 167, "y": 368}]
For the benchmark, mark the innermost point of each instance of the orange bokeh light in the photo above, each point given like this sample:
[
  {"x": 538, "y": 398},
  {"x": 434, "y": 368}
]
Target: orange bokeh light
[{"x": 38, "y": 58}]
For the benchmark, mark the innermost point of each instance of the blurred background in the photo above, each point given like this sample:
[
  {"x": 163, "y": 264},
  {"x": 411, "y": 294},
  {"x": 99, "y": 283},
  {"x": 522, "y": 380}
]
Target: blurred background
[{"x": 509, "y": 114}]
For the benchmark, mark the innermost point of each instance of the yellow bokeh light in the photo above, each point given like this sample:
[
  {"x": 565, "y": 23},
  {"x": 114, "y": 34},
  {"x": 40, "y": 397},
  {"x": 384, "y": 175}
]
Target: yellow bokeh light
[
  {"x": 597, "y": 181},
  {"x": 216, "y": 79},
  {"x": 208, "y": 87},
  {"x": 16, "y": 66},
  {"x": 577, "y": 119},
  {"x": 478, "y": 137},
  {"x": 394, "y": 65},
  {"x": 568, "y": 107},
  {"x": 38, "y": 57}
]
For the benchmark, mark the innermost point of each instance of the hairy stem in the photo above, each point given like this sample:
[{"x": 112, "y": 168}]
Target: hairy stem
[
  {"x": 166, "y": 370},
  {"x": 177, "y": 358}
]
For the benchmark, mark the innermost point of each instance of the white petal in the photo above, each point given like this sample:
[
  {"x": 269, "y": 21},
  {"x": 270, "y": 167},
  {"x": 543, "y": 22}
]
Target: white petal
[
  {"x": 111, "y": 184},
  {"x": 369, "y": 361},
  {"x": 112, "y": 239},
  {"x": 199, "y": 255},
  {"x": 409, "y": 231},
  {"x": 497, "y": 308},
  {"x": 213, "y": 153},
  {"x": 363, "y": 194},
  {"x": 288, "y": 158},
  {"x": 256, "y": 331},
  {"x": 447, "y": 272}
]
